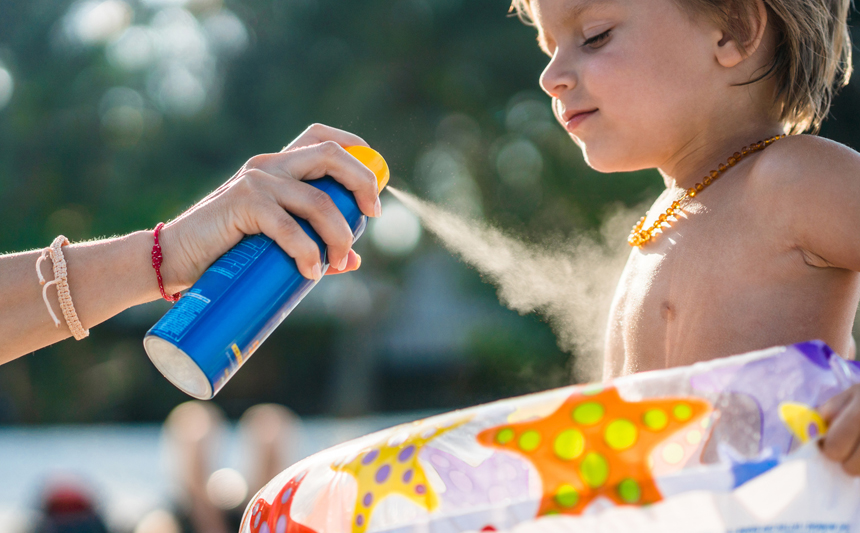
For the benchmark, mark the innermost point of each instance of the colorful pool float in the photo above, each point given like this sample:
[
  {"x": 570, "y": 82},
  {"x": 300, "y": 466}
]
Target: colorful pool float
[{"x": 571, "y": 451}]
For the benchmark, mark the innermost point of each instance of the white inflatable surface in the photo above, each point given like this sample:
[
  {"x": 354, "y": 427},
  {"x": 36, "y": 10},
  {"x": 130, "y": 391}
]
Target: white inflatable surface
[{"x": 717, "y": 446}]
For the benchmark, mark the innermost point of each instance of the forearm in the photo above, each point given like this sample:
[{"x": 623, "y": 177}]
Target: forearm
[
  {"x": 109, "y": 276},
  {"x": 105, "y": 278}
]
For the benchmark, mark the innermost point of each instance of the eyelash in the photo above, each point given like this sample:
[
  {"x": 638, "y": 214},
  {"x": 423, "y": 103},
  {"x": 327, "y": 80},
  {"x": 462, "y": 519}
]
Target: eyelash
[{"x": 597, "y": 38}]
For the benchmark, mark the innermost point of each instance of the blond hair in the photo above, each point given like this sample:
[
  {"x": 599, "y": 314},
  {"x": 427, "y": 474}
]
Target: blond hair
[{"x": 812, "y": 60}]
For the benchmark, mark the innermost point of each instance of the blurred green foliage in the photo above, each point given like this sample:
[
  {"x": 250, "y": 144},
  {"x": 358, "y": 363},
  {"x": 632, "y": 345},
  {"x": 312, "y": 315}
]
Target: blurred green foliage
[{"x": 410, "y": 76}]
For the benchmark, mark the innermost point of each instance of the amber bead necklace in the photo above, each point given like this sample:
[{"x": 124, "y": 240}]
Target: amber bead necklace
[{"x": 640, "y": 237}]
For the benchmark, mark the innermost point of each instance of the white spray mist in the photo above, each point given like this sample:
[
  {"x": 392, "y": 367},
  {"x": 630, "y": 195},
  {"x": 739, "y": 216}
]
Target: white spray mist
[{"x": 570, "y": 284}]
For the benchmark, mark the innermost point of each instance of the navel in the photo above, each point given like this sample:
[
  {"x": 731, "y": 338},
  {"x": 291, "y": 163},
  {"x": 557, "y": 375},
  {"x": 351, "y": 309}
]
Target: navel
[{"x": 667, "y": 311}]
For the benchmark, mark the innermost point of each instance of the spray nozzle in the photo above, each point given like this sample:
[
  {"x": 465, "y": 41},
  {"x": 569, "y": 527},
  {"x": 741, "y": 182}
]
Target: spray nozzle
[{"x": 372, "y": 160}]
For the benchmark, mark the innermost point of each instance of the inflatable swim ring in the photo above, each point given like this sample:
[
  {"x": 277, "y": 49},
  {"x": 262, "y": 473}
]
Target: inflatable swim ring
[{"x": 571, "y": 451}]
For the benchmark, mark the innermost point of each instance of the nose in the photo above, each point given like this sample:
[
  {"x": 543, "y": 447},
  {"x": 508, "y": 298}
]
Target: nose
[{"x": 558, "y": 76}]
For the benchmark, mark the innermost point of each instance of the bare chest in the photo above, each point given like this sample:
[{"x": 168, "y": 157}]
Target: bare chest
[{"x": 719, "y": 284}]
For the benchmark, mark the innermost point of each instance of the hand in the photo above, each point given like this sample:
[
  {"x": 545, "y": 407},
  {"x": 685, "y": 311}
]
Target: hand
[
  {"x": 842, "y": 414},
  {"x": 261, "y": 197}
]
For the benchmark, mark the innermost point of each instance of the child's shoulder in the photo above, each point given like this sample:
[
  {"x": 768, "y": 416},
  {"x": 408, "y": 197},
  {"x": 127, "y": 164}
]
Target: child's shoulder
[
  {"x": 801, "y": 162},
  {"x": 810, "y": 187}
]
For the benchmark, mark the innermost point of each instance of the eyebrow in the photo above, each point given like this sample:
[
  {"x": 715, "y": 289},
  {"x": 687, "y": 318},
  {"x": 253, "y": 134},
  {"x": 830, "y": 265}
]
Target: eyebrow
[
  {"x": 577, "y": 11},
  {"x": 574, "y": 13}
]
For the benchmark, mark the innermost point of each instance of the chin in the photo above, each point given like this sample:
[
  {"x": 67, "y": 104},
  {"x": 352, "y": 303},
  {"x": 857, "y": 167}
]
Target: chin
[
  {"x": 600, "y": 165},
  {"x": 607, "y": 161}
]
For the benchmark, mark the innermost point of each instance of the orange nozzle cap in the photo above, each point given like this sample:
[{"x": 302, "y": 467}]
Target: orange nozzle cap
[{"x": 372, "y": 160}]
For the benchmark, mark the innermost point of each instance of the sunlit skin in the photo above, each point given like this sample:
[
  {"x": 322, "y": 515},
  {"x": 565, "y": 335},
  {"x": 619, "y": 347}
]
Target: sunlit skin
[
  {"x": 111, "y": 275},
  {"x": 769, "y": 254}
]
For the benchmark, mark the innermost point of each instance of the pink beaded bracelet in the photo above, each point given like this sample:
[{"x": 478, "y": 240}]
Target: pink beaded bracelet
[{"x": 157, "y": 258}]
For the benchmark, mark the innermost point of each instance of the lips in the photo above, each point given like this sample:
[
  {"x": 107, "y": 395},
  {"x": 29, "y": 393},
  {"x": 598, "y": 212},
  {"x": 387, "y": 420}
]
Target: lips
[{"x": 573, "y": 118}]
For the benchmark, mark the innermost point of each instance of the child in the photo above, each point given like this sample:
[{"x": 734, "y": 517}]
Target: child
[{"x": 754, "y": 242}]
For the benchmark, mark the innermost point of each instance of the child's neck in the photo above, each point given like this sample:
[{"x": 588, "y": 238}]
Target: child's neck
[{"x": 705, "y": 151}]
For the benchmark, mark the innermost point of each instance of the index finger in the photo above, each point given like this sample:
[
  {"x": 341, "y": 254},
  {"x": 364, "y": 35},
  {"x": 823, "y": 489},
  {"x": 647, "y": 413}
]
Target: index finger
[
  {"x": 319, "y": 133},
  {"x": 329, "y": 158}
]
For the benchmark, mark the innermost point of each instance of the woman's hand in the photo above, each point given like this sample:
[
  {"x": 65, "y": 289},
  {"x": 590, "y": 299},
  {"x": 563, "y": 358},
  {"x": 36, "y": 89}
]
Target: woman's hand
[
  {"x": 263, "y": 197},
  {"x": 111, "y": 275}
]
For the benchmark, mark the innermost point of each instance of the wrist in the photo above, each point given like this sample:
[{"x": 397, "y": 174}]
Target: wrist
[
  {"x": 120, "y": 265},
  {"x": 141, "y": 243},
  {"x": 171, "y": 271},
  {"x": 157, "y": 259}
]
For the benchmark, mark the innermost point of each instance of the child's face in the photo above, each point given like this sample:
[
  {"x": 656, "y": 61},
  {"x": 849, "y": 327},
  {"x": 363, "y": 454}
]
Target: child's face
[{"x": 653, "y": 78}]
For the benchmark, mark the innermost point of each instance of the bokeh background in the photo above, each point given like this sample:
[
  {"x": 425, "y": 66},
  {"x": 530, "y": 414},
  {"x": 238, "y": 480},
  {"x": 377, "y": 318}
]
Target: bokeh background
[
  {"x": 118, "y": 114},
  {"x": 121, "y": 114}
]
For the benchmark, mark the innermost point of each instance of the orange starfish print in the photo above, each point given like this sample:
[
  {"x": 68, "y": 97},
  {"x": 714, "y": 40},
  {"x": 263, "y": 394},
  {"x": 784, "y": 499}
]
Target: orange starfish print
[{"x": 596, "y": 444}]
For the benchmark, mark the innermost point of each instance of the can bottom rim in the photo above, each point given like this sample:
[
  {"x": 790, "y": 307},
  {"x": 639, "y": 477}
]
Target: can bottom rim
[{"x": 178, "y": 367}]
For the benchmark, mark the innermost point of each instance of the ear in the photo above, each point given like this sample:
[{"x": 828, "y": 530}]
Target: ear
[{"x": 728, "y": 52}]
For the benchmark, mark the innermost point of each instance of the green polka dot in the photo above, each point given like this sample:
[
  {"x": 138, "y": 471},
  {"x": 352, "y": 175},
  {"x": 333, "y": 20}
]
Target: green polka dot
[
  {"x": 566, "y": 496},
  {"x": 551, "y": 512},
  {"x": 505, "y": 436},
  {"x": 655, "y": 419},
  {"x": 620, "y": 434},
  {"x": 569, "y": 444},
  {"x": 629, "y": 491},
  {"x": 588, "y": 414},
  {"x": 529, "y": 441},
  {"x": 594, "y": 470},
  {"x": 682, "y": 412}
]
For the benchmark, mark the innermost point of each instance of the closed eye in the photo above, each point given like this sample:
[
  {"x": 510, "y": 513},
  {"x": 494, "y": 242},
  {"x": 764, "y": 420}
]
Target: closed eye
[{"x": 597, "y": 39}]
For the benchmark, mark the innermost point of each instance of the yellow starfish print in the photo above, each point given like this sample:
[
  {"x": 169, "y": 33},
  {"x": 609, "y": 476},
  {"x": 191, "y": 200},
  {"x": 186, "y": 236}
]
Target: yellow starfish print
[{"x": 392, "y": 467}]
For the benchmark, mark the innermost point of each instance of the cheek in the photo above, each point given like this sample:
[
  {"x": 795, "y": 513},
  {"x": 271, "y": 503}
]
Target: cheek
[
  {"x": 639, "y": 85},
  {"x": 649, "y": 94},
  {"x": 634, "y": 106}
]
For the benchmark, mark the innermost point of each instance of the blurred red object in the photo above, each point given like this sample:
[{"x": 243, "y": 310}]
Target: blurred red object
[
  {"x": 69, "y": 507},
  {"x": 66, "y": 499}
]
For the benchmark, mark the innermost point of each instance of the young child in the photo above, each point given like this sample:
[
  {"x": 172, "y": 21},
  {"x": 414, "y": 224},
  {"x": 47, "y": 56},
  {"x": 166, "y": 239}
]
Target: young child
[{"x": 754, "y": 242}]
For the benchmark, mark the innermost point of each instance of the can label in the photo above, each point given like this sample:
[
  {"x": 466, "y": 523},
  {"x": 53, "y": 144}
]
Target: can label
[
  {"x": 240, "y": 256},
  {"x": 221, "y": 321},
  {"x": 193, "y": 304},
  {"x": 174, "y": 325}
]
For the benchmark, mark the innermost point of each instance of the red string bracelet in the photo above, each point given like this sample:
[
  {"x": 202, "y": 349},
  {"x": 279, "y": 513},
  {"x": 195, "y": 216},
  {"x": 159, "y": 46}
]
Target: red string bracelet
[{"x": 157, "y": 258}]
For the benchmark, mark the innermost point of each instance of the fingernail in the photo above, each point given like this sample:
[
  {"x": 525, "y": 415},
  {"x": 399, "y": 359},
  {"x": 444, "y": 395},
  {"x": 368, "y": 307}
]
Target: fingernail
[
  {"x": 317, "y": 272},
  {"x": 342, "y": 264},
  {"x": 358, "y": 257},
  {"x": 377, "y": 208}
]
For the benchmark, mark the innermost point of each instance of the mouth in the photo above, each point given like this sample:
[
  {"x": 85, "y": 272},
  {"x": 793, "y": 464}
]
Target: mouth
[{"x": 572, "y": 119}]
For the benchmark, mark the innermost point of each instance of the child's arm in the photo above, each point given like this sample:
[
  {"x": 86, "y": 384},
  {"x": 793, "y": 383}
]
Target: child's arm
[
  {"x": 108, "y": 276},
  {"x": 818, "y": 182},
  {"x": 814, "y": 184}
]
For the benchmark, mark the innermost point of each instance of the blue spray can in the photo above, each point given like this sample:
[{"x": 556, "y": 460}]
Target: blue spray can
[{"x": 236, "y": 304}]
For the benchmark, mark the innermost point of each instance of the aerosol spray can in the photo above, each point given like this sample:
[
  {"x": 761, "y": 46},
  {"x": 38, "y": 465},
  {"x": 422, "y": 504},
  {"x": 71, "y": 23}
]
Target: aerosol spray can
[{"x": 219, "y": 322}]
